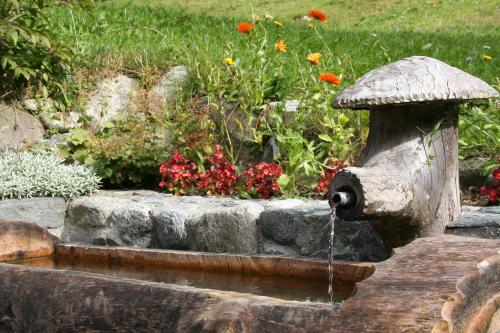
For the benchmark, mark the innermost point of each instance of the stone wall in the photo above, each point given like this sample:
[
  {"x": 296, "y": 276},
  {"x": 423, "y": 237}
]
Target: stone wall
[{"x": 280, "y": 227}]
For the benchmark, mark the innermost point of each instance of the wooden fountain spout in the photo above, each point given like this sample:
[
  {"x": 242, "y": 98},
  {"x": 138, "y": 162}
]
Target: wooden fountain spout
[{"x": 407, "y": 181}]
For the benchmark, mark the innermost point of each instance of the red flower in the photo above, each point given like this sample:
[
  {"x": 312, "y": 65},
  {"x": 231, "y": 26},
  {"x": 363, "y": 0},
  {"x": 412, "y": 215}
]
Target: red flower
[
  {"x": 326, "y": 176},
  {"x": 262, "y": 178},
  {"x": 492, "y": 187},
  {"x": 244, "y": 27},
  {"x": 220, "y": 178},
  {"x": 178, "y": 174},
  {"x": 330, "y": 78},
  {"x": 318, "y": 15}
]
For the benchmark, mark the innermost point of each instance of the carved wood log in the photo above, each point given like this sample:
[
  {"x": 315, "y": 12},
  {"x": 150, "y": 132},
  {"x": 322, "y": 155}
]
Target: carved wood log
[
  {"x": 407, "y": 181},
  {"x": 475, "y": 307},
  {"x": 405, "y": 294},
  {"x": 19, "y": 240}
]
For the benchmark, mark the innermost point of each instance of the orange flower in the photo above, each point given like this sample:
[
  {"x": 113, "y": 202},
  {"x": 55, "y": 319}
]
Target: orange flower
[
  {"x": 244, "y": 27},
  {"x": 330, "y": 78},
  {"x": 281, "y": 46},
  {"x": 314, "y": 58},
  {"x": 318, "y": 15}
]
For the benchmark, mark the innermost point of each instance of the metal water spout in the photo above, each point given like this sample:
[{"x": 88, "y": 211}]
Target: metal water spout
[{"x": 407, "y": 181}]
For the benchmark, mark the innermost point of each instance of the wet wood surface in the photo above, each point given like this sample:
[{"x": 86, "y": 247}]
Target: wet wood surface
[
  {"x": 303, "y": 268},
  {"x": 405, "y": 294},
  {"x": 19, "y": 240}
]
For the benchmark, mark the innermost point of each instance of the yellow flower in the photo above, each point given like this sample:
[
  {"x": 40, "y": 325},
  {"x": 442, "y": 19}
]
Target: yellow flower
[
  {"x": 314, "y": 58},
  {"x": 486, "y": 57},
  {"x": 281, "y": 46},
  {"x": 229, "y": 61},
  {"x": 278, "y": 23}
]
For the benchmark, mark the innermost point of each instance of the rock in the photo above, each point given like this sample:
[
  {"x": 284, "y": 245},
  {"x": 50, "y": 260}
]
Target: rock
[
  {"x": 93, "y": 212},
  {"x": 281, "y": 225},
  {"x": 166, "y": 90},
  {"x": 471, "y": 172},
  {"x": 241, "y": 127},
  {"x": 170, "y": 227},
  {"x": 133, "y": 225},
  {"x": 88, "y": 221},
  {"x": 482, "y": 222},
  {"x": 61, "y": 121},
  {"x": 18, "y": 129},
  {"x": 273, "y": 248},
  {"x": 46, "y": 212},
  {"x": 221, "y": 229},
  {"x": 477, "y": 217},
  {"x": 306, "y": 230},
  {"x": 271, "y": 151},
  {"x": 353, "y": 241},
  {"x": 288, "y": 111},
  {"x": 111, "y": 98}
]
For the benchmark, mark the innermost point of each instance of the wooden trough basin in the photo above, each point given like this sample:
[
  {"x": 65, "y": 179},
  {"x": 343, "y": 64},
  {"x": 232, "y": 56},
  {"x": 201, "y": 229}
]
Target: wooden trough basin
[{"x": 75, "y": 288}]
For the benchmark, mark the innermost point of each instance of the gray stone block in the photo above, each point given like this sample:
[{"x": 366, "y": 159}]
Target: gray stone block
[{"x": 46, "y": 212}]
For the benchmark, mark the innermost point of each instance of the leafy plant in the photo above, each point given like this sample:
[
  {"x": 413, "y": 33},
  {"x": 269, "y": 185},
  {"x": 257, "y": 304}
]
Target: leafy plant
[
  {"x": 178, "y": 174},
  {"x": 27, "y": 174},
  {"x": 479, "y": 132},
  {"x": 30, "y": 53},
  {"x": 492, "y": 188},
  {"x": 124, "y": 153},
  {"x": 331, "y": 168},
  {"x": 220, "y": 178},
  {"x": 261, "y": 179}
]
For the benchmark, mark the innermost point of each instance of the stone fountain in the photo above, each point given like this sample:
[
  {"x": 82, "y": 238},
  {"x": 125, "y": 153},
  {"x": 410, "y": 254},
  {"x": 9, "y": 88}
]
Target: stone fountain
[{"x": 407, "y": 181}]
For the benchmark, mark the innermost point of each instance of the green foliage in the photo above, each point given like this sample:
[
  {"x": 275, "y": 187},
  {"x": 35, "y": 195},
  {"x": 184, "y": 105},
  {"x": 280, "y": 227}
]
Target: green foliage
[
  {"x": 30, "y": 53},
  {"x": 132, "y": 37},
  {"x": 126, "y": 153},
  {"x": 479, "y": 133},
  {"x": 27, "y": 174}
]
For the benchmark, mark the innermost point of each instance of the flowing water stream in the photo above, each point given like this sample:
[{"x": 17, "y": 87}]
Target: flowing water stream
[{"x": 333, "y": 213}]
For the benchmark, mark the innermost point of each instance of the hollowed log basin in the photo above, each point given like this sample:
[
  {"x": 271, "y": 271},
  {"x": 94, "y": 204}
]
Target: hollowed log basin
[{"x": 47, "y": 286}]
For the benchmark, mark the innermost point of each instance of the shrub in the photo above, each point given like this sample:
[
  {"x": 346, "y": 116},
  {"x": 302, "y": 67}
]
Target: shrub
[
  {"x": 124, "y": 153},
  {"x": 261, "y": 179},
  {"x": 29, "y": 53},
  {"x": 30, "y": 175}
]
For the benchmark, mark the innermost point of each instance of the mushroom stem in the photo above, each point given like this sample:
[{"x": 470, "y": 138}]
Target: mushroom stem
[{"x": 409, "y": 171}]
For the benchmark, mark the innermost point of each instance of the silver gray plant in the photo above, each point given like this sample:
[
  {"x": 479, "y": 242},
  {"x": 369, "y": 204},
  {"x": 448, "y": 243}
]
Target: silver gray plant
[{"x": 26, "y": 174}]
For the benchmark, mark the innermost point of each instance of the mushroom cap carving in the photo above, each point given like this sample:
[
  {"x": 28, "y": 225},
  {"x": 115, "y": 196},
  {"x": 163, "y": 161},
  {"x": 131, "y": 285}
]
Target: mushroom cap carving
[{"x": 416, "y": 79}]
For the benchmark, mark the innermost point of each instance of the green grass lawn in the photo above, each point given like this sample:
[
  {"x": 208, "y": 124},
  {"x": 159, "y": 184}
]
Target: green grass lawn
[
  {"x": 131, "y": 36},
  {"x": 428, "y": 15}
]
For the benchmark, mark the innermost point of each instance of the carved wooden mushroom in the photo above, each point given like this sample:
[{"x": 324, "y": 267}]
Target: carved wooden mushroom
[
  {"x": 475, "y": 307},
  {"x": 407, "y": 182}
]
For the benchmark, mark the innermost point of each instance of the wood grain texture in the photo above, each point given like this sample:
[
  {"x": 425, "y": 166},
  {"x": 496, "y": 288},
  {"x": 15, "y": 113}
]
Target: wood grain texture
[
  {"x": 475, "y": 307},
  {"x": 416, "y": 79},
  {"x": 407, "y": 179},
  {"x": 302, "y": 268},
  {"x": 405, "y": 294},
  {"x": 19, "y": 240}
]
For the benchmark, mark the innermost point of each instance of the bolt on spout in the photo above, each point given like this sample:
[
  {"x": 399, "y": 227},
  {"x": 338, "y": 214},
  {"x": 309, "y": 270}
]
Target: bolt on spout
[{"x": 341, "y": 199}]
